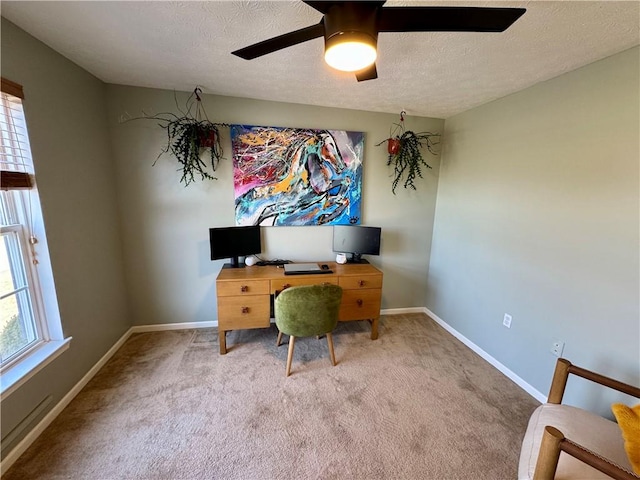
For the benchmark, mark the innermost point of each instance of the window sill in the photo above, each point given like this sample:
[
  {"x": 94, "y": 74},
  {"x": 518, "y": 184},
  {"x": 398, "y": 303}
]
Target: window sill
[{"x": 22, "y": 371}]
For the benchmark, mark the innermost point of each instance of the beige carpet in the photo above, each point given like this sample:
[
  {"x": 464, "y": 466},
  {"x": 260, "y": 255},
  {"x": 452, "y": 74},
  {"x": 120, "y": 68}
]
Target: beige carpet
[{"x": 414, "y": 404}]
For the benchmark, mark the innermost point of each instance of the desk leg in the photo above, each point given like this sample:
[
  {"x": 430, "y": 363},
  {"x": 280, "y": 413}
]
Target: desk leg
[
  {"x": 222, "y": 336},
  {"x": 374, "y": 328}
]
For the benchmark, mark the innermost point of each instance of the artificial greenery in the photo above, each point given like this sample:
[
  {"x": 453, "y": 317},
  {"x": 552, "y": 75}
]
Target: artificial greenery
[{"x": 407, "y": 161}]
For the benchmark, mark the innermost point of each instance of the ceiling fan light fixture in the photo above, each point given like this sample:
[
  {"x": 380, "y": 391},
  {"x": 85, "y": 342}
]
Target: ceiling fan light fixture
[{"x": 350, "y": 51}]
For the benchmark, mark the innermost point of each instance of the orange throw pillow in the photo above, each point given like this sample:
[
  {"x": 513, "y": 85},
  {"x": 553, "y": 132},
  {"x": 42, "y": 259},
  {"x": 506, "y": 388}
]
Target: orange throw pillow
[{"x": 629, "y": 422}]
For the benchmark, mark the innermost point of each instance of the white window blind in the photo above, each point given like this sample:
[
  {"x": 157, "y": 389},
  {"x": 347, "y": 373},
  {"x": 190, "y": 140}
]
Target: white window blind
[{"x": 16, "y": 167}]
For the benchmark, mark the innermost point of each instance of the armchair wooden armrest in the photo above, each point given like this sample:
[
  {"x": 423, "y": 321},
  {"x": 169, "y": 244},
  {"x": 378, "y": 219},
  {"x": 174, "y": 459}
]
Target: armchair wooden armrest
[
  {"x": 554, "y": 441},
  {"x": 564, "y": 367}
]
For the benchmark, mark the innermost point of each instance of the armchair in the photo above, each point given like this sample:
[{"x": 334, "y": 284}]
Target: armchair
[{"x": 594, "y": 446}]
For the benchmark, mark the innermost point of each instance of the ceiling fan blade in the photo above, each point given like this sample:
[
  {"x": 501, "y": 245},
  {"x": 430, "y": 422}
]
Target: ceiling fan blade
[
  {"x": 324, "y": 7},
  {"x": 447, "y": 19},
  {"x": 282, "y": 41},
  {"x": 369, "y": 73}
]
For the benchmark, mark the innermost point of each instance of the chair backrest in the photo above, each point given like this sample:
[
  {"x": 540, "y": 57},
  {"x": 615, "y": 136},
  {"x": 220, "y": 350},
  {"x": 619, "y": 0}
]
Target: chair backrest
[{"x": 308, "y": 310}]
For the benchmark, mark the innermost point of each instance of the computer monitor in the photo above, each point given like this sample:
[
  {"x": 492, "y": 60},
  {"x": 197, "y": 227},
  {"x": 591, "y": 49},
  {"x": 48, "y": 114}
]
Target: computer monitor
[
  {"x": 357, "y": 241},
  {"x": 234, "y": 242}
]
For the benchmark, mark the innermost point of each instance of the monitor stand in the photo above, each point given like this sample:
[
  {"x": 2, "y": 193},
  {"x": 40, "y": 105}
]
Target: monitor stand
[
  {"x": 235, "y": 263},
  {"x": 357, "y": 258}
]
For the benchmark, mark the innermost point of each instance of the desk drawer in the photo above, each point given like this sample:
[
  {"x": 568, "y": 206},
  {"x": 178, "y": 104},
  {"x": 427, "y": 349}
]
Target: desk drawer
[
  {"x": 295, "y": 281},
  {"x": 242, "y": 287},
  {"x": 360, "y": 304},
  {"x": 243, "y": 312},
  {"x": 356, "y": 282}
]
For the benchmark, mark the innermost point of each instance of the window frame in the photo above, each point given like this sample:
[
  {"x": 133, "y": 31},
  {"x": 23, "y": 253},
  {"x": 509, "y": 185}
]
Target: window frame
[
  {"x": 38, "y": 320},
  {"x": 24, "y": 214}
]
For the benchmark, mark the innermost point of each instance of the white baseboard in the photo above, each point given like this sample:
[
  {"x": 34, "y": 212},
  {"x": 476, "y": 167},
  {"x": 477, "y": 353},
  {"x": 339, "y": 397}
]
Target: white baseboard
[
  {"x": 162, "y": 327},
  {"x": 31, "y": 437},
  {"x": 400, "y": 311},
  {"x": 495, "y": 363}
]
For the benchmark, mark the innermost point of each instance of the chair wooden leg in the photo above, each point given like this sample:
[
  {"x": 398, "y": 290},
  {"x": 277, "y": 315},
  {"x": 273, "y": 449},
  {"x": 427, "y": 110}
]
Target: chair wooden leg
[
  {"x": 292, "y": 340},
  {"x": 278, "y": 343},
  {"x": 331, "y": 352}
]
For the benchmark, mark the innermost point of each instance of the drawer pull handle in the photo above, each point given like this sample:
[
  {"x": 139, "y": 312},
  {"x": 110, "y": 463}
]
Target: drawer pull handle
[
  {"x": 245, "y": 309},
  {"x": 361, "y": 283},
  {"x": 244, "y": 288},
  {"x": 359, "y": 302}
]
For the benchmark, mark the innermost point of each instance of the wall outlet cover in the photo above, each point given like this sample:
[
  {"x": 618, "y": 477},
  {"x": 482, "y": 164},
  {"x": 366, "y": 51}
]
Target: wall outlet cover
[{"x": 557, "y": 348}]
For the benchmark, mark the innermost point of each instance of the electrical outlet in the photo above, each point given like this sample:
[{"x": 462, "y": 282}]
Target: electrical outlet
[
  {"x": 557, "y": 348},
  {"x": 507, "y": 320}
]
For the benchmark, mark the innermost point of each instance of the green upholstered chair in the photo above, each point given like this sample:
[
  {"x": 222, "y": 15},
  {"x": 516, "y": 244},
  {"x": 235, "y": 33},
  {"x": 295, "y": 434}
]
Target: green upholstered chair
[{"x": 307, "y": 311}]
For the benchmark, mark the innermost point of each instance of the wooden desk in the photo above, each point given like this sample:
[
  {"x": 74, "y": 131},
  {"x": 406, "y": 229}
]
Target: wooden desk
[{"x": 244, "y": 295}]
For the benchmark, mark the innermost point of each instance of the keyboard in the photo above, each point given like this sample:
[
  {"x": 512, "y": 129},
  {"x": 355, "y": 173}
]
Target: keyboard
[
  {"x": 309, "y": 272},
  {"x": 305, "y": 269},
  {"x": 277, "y": 262}
]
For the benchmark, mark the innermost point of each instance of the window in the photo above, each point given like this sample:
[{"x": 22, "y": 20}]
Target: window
[
  {"x": 19, "y": 328},
  {"x": 30, "y": 333}
]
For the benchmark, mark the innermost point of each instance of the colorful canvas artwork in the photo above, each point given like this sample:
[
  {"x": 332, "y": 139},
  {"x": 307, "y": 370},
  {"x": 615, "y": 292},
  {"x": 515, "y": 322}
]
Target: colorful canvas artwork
[{"x": 293, "y": 176}]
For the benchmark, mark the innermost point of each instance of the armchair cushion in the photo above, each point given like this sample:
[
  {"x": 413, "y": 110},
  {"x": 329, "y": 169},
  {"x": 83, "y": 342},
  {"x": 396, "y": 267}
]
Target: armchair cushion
[
  {"x": 585, "y": 428},
  {"x": 629, "y": 422}
]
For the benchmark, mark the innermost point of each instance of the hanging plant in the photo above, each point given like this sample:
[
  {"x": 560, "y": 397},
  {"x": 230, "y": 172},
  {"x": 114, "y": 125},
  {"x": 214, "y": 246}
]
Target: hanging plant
[
  {"x": 188, "y": 136},
  {"x": 404, "y": 148},
  {"x": 186, "y": 140}
]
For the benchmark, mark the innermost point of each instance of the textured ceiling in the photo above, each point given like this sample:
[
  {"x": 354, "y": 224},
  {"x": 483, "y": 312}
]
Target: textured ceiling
[{"x": 178, "y": 45}]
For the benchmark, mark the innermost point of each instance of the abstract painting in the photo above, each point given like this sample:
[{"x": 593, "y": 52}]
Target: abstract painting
[{"x": 294, "y": 176}]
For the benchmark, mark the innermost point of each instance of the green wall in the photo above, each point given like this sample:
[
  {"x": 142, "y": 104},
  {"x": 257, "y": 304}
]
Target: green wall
[
  {"x": 537, "y": 216},
  {"x": 66, "y": 116},
  {"x": 166, "y": 238}
]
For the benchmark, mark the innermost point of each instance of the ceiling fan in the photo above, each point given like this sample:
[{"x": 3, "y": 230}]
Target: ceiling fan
[{"x": 350, "y": 30}]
